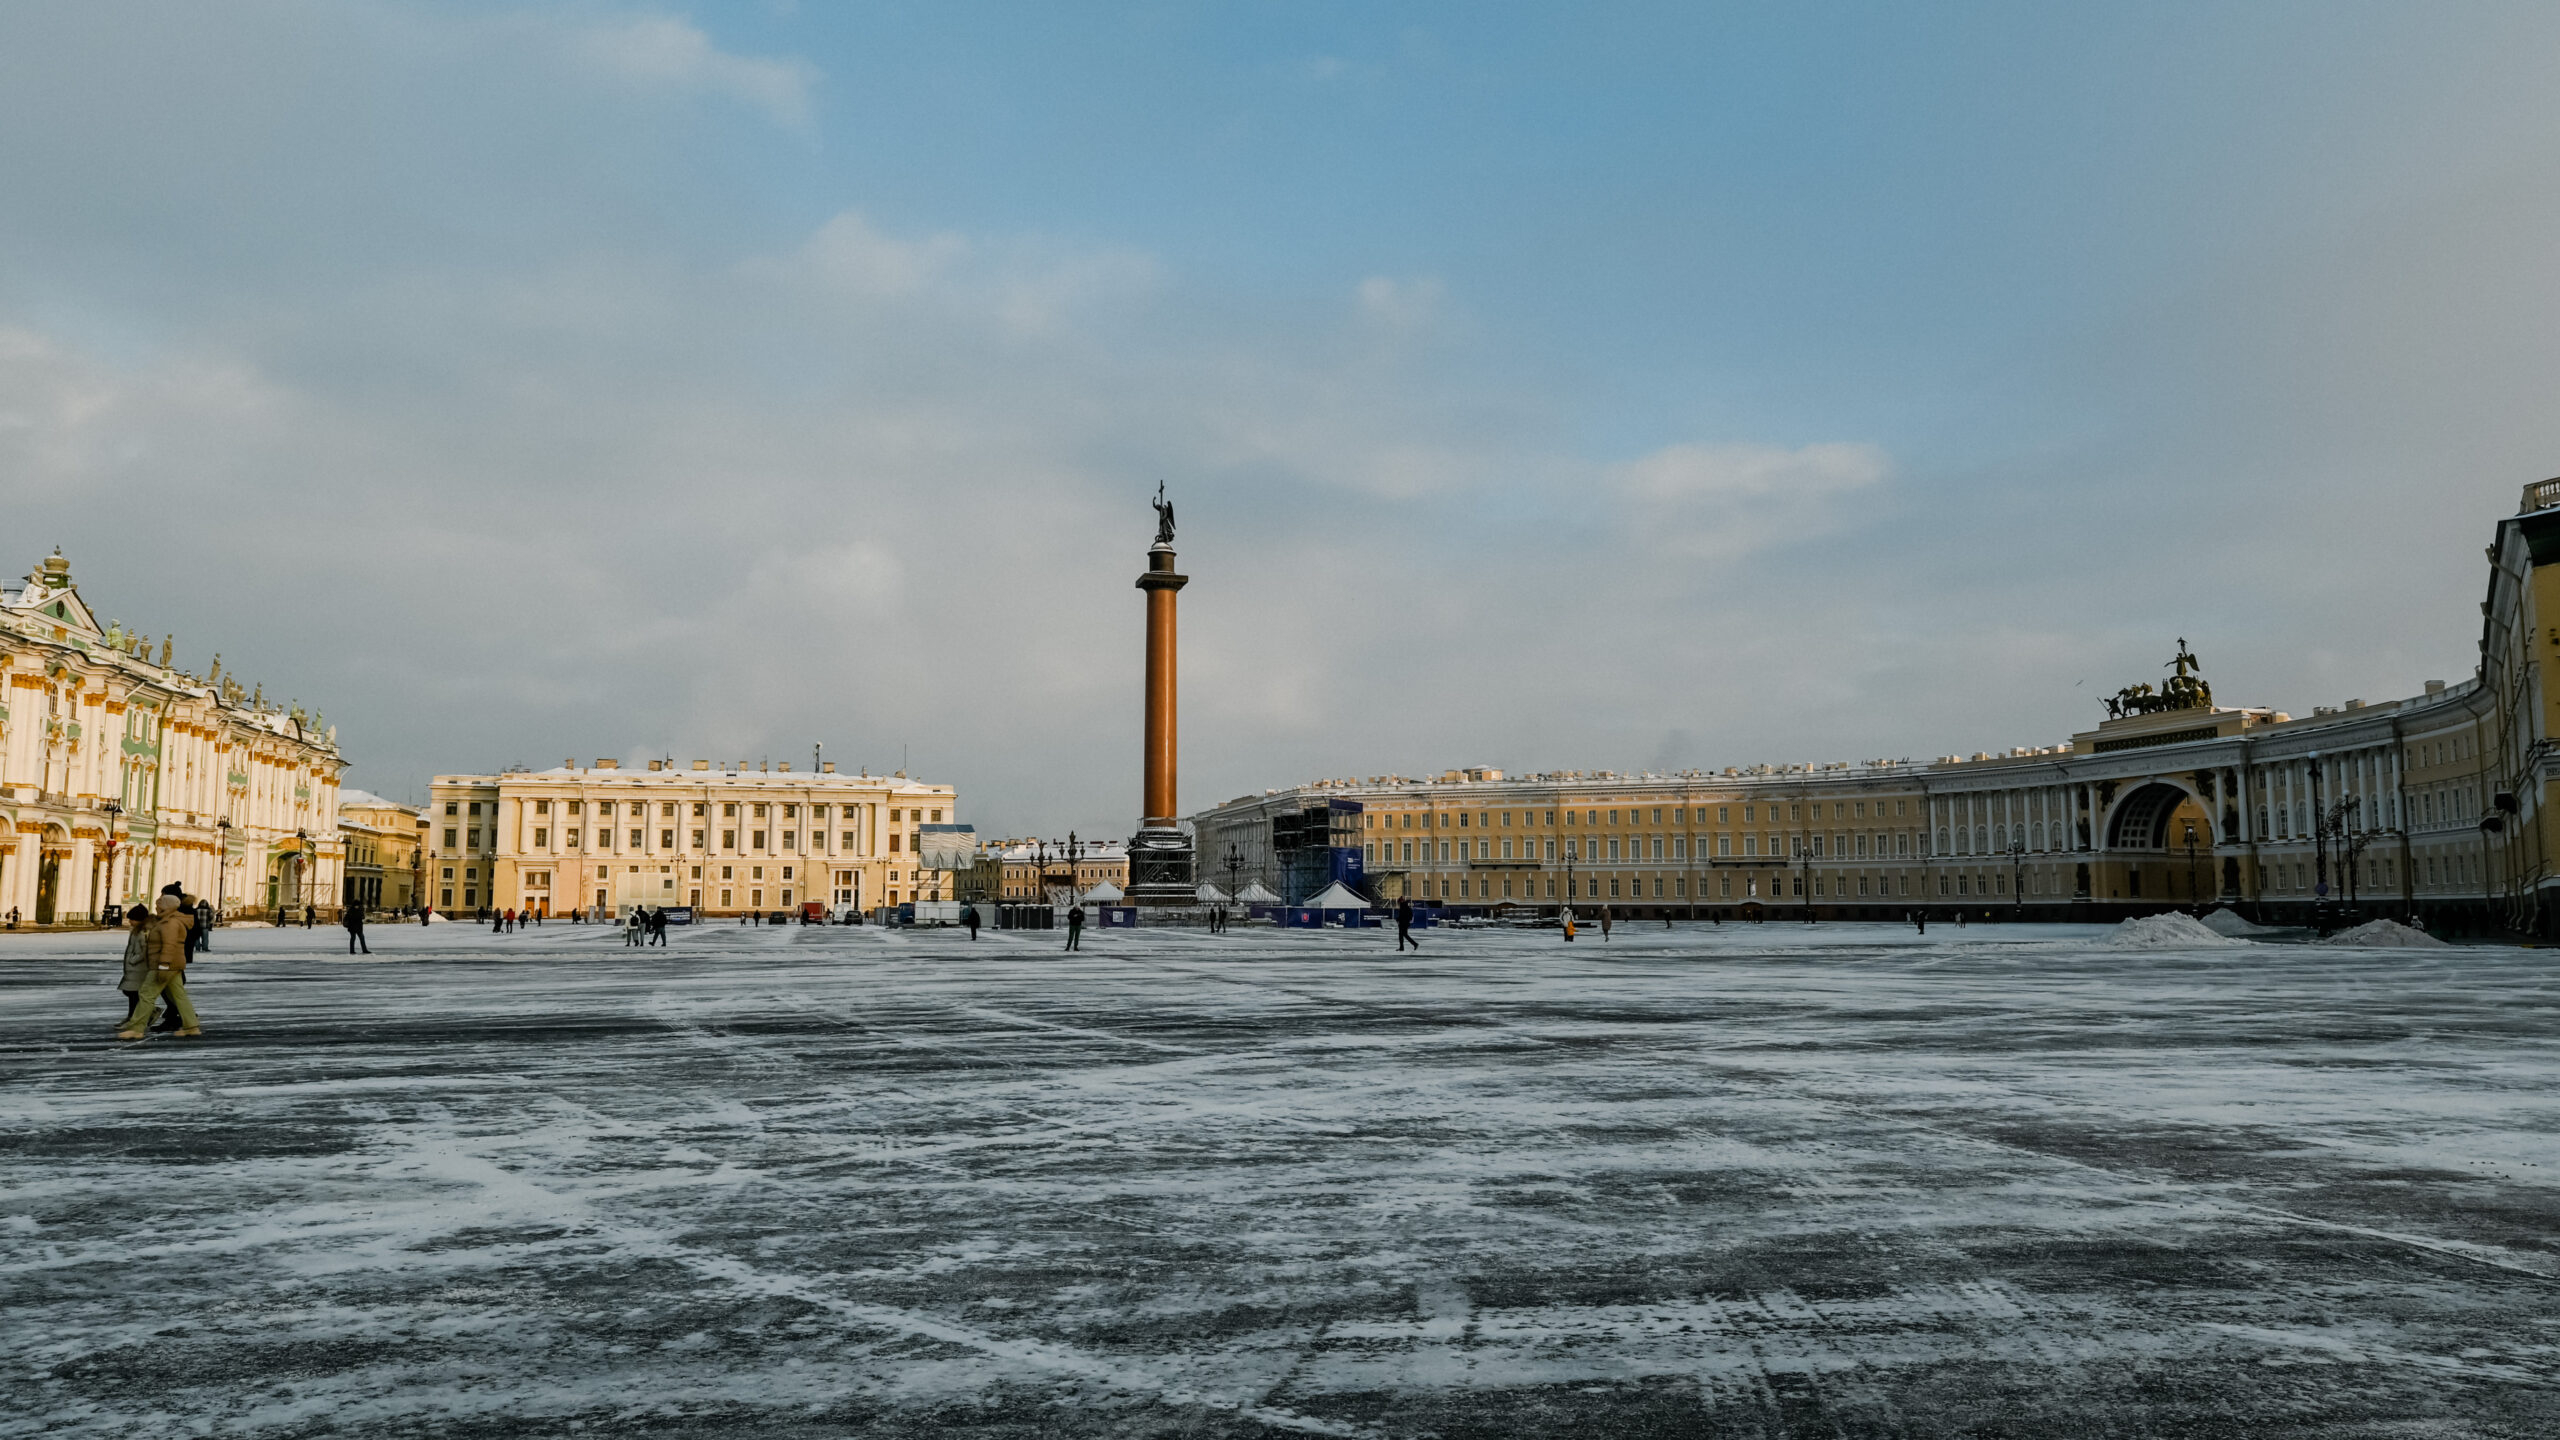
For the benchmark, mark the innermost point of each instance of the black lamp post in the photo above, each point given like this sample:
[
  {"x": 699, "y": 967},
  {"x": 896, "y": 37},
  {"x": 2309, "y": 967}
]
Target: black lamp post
[
  {"x": 108, "y": 886},
  {"x": 1235, "y": 867},
  {"x": 2018, "y": 876},
  {"x": 221, "y": 863},
  {"x": 2193, "y": 895},
  {"x": 2319, "y": 851}
]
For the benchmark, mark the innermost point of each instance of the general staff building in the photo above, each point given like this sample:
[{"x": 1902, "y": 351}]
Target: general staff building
[{"x": 2438, "y": 805}]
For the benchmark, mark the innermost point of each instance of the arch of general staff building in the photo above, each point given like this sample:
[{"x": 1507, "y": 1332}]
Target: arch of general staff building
[
  {"x": 120, "y": 774},
  {"x": 2435, "y": 807}
]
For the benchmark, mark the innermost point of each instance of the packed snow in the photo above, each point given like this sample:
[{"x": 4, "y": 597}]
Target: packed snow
[
  {"x": 2227, "y": 921},
  {"x": 1757, "y": 1180},
  {"x": 2389, "y": 933},
  {"x": 2170, "y": 931}
]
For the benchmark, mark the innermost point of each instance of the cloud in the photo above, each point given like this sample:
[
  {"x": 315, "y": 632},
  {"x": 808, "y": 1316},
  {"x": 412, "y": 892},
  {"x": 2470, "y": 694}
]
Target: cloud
[
  {"x": 669, "y": 52},
  {"x": 1403, "y": 306},
  {"x": 1722, "y": 501}
]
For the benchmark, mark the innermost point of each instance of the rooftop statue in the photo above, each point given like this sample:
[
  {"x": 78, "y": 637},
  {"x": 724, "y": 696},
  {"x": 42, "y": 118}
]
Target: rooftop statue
[{"x": 2185, "y": 690}]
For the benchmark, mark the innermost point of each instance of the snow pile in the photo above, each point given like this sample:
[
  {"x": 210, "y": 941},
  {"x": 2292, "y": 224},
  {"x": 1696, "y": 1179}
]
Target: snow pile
[
  {"x": 2227, "y": 921},
  {"x": 2172, "y": 931},
  {"x": 2382, "y": 933}
]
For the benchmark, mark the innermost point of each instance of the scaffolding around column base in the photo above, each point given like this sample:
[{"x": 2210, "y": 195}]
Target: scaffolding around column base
[{"x": 1162, "y": 868}]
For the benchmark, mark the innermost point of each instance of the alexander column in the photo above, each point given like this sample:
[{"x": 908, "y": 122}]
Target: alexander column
[{"x": 1160, "y": 856}]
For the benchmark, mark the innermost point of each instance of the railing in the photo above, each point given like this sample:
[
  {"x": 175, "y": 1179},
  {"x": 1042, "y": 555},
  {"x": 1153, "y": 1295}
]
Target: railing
[{"x": 2540, "y": 495}]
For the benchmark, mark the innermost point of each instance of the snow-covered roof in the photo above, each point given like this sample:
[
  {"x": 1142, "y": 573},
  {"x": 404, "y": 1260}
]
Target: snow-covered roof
[
  {"x": 350, "y": 798},
  {"x": 1209, "y": 894},
  {"x": 1255, "y": 893},
  {"x": 1337, "y": 896}
]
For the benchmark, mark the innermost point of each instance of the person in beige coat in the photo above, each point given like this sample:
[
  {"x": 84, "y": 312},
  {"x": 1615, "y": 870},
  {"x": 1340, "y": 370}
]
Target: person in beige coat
[{"x": 166, "y": 946}]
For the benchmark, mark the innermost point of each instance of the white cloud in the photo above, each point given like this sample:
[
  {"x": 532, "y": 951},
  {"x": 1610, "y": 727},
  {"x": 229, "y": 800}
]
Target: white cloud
[
  {"x": 664, "y": 50},
  {"x": 1401, "y": 305},
  {"x": 1721, "y": 501}
]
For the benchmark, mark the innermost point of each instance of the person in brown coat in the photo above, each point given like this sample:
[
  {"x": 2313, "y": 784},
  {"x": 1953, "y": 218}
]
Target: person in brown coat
[{"x": 166, "y": 947}]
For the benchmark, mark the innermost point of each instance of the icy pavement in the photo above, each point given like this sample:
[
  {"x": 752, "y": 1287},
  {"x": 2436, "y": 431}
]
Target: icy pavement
[{"x": 1742, "y": 1181}]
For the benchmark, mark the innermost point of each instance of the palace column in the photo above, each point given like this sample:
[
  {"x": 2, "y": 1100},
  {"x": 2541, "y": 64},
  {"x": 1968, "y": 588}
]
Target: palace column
[{"x": 1160, "y": 854}]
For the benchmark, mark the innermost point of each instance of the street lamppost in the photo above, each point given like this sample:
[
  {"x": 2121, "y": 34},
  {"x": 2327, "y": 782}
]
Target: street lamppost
[
  {"x": 221, "y": 862},
  {"x": 2018, "y": 877},
  {"x": 2319, "y": 850},
  {"x": 2193, "y": 896},
  {"x": 1235, "y": 868},
  {"x": 111, "y": 810},
  {"x": 302, "y": 867},
  {"x": 1804, "y": 875}
]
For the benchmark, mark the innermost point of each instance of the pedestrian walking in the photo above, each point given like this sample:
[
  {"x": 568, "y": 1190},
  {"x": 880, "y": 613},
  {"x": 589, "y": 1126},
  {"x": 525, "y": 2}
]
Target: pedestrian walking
[
  {"x": 203, "y": 933},
  {"x": 1565, "y": 917},
  {"x": 137, "y": 958},
  {"x": 354, "y": 920},
  {"x": 631, "y": 928},
  {"x": 969, "y": 917},
  {"x": 1404, "y": 924},
  {"x": 1075, "y": 927},
  {"x": 1604, "y": 922},
  {"x": 166, "y": 949},
  {"x": 309, "y": 914},
  {"x": 426, "y": 913}
]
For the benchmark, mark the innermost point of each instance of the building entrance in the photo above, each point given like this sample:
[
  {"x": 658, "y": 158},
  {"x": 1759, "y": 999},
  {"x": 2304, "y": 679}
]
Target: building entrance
[{"x": 48, "y": 888}]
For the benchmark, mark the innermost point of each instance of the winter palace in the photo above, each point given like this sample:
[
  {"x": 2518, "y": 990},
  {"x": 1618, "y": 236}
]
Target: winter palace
[
  {"x": 2438, "y": 804},
  {"x": 123, "y": 774}
]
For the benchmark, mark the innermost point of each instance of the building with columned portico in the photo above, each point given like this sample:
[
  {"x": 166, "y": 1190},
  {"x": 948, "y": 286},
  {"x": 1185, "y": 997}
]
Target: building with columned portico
[
  {"x": 120, "y": 773},
  {"x": 718, "y": 837},
  {"x": 2439, "y": 804}
]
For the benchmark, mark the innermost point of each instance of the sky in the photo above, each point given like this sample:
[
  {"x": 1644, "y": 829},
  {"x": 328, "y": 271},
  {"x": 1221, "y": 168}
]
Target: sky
[{"x": 1546, "y": 387}]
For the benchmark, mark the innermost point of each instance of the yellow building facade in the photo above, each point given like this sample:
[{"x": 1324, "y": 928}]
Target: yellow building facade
[
  {"x": 718, "y": 838},
  {"x": 2437, "y": 805},
  {"x": 383, "y": 864},
  {"x": 120, "y": 773}
]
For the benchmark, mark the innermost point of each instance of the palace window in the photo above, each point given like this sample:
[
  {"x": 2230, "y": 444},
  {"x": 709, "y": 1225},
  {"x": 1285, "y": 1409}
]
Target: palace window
[
  {"x": 790, "y": 812},
  {"x": 756, "y": 874},
  {"x": 848, "y": 812},
  {"x": 697, "y": 842},
  {"x": 728, "y": 809},
  {"x": 728, "y": 839},
  {"x": 575, "y": 806},
  {"x": 728, "y": 872},
  {"x": 604, "y": 807},
  {"x": 667, "y": 839},
  {"x": 541, "y": 836},
  {"x": 449, "y": 833},
  {"x": 788, "y": 836},
  {"x": 667, "y": 810},
  {"x": 541, "y": 807},
  {"x": 759, "y": 812},
  {"x": 759, "y": 839},
  {"x": 448, "y": 807},
  {"x": 573, "y": 839}
]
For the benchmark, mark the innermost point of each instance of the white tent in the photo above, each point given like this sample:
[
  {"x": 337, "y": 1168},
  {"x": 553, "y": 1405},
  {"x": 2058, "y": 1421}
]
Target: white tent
[
  {"x": 1255, "y": 894},
  {"x": 1336, "y": 896},
  {"x": 1209, "y": 894},
  {"x": 1105, "y": 893}
]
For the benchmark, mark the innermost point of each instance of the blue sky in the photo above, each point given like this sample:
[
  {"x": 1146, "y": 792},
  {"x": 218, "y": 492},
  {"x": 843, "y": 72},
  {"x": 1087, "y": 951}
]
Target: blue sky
[{"x": 1590, "y": 387}]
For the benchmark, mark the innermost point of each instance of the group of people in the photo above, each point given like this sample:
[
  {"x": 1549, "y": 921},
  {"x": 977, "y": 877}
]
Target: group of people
[
  {"x": 158, "y": 944},
  {"x": 642, "y": 921}
]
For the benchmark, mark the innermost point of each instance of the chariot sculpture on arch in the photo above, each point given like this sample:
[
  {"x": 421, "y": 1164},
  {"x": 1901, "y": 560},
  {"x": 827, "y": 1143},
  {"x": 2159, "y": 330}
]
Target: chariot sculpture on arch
[{"x": 2187, "y": 689}]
